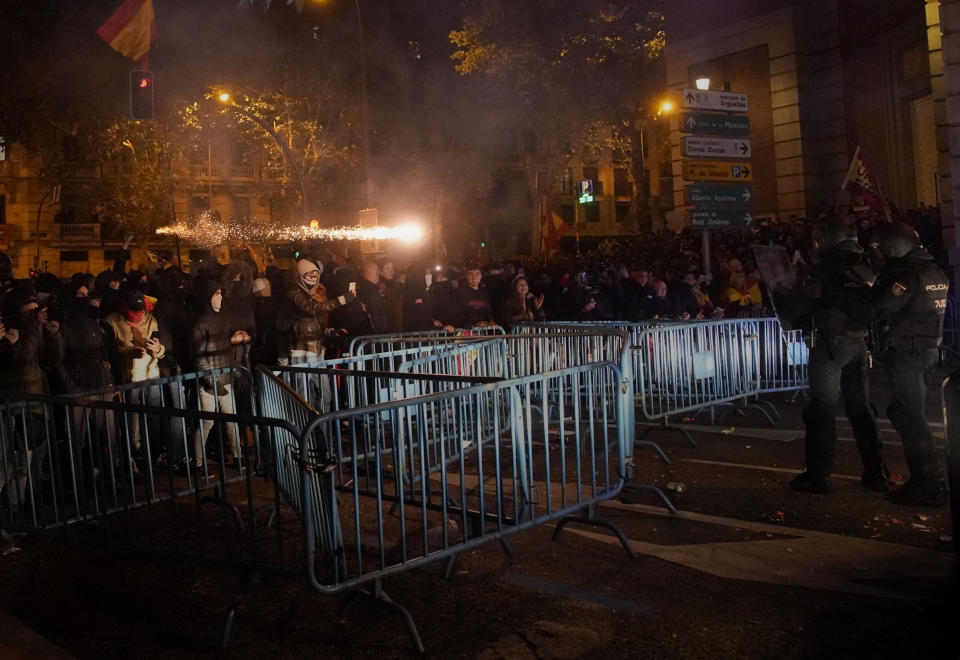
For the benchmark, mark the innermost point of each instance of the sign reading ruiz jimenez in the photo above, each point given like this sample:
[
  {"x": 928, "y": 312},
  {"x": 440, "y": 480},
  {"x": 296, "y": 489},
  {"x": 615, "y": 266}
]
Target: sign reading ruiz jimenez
[{"x": 716, "y": 147}]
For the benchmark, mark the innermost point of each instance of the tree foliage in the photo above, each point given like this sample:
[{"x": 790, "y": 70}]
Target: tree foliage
[{"x": 581, "y": 72}]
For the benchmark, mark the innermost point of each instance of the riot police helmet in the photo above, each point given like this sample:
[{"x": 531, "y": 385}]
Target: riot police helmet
[
  {"x": 895, "y": 240},
  {"x": 838, "y": 236}
]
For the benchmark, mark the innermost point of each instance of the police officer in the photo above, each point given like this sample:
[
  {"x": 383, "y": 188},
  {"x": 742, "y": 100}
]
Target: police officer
[
  {"x": 838, "y": 363},
  {"x": 910, "y": 296}
]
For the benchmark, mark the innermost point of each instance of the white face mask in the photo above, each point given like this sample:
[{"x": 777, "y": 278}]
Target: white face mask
[{"x": 428, "y": 278}]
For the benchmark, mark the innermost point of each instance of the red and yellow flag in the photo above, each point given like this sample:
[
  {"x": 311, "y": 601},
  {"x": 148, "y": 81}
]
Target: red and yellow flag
[
  {"x": 552, "y": 226},
  {"x": 130, "y": 30},
  {"x": 861, "y": 181}
]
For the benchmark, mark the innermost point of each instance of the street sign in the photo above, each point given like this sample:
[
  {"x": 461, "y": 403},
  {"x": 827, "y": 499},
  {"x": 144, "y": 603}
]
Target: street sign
[
  {"x": 708, "y": 217},
  {"x": 710, "y": 147},
  {"x": 703, "y": 123},
  {"x": 714, "y": 193},
  {"x": 698, "y": 170},
  {"x": 707, "y": 100},
  {"x": 585, "y": 187}
]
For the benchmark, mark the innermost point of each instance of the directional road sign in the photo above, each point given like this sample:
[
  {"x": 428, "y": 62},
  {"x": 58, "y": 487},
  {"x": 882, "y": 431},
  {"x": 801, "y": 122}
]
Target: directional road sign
[
  {"x": 717, "y": 193},
  {"x": 700, "y": 170},
  {"x": 703, "y": 123},
  {"x": 709, "y": 147},
  {"x": 706, "y": 100},
  {"x": 706, "y": 217}
]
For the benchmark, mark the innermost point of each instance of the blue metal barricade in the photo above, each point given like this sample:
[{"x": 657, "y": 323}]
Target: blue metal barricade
[
  {"x": 384, "y": 343},
  {"x": 527, "y": 471},
  {"x": 783, "y": 358}
]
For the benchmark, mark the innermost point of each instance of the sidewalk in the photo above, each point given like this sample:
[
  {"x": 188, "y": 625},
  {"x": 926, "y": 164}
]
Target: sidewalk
[{"x": 18, "y": 641}]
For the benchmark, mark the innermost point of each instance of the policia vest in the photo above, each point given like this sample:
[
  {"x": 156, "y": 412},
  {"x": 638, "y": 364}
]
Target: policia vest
[{"x": 915, "y": 292}]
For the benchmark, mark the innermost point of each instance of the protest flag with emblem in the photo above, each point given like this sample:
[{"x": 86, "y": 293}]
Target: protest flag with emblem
[
  {"x": 861, "y": 181},
  {"x": 129, "y": 30},
  {"x": 552, "y": 227}
]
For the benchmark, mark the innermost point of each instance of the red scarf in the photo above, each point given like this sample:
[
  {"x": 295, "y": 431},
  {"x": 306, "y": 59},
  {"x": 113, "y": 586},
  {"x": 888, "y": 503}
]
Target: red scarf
[{"x": 134, "y": 318}]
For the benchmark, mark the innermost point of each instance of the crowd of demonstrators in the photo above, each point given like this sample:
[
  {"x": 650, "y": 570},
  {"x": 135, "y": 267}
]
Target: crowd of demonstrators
[{"x": 120, "y": 327}]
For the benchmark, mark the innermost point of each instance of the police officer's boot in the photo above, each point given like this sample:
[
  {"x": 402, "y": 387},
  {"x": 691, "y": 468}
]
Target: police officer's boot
[
  {"x": 875, "y": 475},
  {"x": 926, "y": 485}
]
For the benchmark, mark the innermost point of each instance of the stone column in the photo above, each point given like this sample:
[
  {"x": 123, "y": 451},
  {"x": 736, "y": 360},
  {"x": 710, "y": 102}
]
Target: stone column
[{"x": 946, "y": 90}]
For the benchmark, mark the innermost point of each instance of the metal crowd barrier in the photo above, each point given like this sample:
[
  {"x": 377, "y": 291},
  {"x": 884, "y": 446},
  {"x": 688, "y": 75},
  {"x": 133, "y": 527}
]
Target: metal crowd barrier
[
  {"x": 375, "y": 502},
  {"x": 384, "y": 343},
  {"x": 70, "y": 467},
  {"x": 690, "y": 367},
  {"x": 784, "y": 357}
]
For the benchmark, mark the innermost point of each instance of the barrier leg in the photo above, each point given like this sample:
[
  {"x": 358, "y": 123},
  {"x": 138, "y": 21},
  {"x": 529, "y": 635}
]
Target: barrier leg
[
  {"x": 378, "y": 595},
  {"x": 665, "y": 425},
  {"x": 587, "y": 517},
  {"x": 250, "y": 578}
]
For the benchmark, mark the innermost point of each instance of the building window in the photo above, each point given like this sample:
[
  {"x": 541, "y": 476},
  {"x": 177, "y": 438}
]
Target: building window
[
  {"x": 3, "y": 209},
  {"x": 73, "y": 255},
  {"x": 621, "y": 182},
  {"x": 114, "y": 254},
  {"x": 591, "y": 212},
  {"x": 622, "y": 210},
  {"x": 241, "y": 207},
  {"x": 568, "y": 213},
  {"x": 200, "y": 255},
  {"x": 199, "y": 205}
]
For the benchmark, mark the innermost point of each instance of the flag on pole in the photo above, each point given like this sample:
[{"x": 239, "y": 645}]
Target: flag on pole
[
  {"x": 130, "y": 30},
  {"x": 552, "y": 227},
  {"x": 861, "y": 182}
]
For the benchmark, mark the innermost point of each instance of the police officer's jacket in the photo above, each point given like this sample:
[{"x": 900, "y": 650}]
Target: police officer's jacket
[
  {"x": 911, "y": 295},
  {"x": 838, "y": 275}
]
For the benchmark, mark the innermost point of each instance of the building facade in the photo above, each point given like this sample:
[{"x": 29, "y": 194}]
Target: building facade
[{"x": 823, "y": 78}]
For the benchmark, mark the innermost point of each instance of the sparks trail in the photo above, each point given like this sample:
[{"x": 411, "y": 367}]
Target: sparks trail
[{"x": 205, "y": 230}]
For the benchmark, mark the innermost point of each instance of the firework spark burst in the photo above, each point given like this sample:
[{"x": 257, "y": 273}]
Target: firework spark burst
[{"x": 207, "y": 230}]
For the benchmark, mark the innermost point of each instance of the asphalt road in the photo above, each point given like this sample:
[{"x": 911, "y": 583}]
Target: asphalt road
[{"x": 747, "y": 569}]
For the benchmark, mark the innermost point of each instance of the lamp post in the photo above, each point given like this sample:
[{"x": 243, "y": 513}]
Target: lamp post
[
  {"x": 224, "y": 98},
  {"x": 366, "y": 110},
  {"x": 664, "y": 109}
]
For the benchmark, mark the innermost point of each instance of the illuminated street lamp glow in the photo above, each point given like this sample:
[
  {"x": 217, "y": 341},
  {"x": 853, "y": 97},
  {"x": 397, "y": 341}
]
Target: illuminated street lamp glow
[
  {"x": 703, "y": 83},
  {"x": 665, "y": 108},
  {"x": 224, "y": 97}
]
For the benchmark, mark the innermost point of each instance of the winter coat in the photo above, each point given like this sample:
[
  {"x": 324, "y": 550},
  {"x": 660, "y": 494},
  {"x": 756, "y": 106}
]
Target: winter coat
[{"x": 123, "y": 338}]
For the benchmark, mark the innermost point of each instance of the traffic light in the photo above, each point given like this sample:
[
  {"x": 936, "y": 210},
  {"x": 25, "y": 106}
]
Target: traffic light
[{"x": 141, "y": 95}]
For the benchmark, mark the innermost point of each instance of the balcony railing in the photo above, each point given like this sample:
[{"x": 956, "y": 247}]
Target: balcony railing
[{"x": 77, "y": 232}]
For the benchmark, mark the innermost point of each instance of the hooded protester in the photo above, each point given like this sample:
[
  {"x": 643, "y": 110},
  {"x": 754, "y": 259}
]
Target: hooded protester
[
  {"x": 135, "y": 347},
  {"x": 30, "y": 345},
  {"x": 213, "y": 342},
  {"x": 308, "y": 306},
  {"x": 270, "y": 342},
  {"x": 107, "y": 286},
  {"x": 170, "y": 289},
  {"x": 236, "y": 282}
]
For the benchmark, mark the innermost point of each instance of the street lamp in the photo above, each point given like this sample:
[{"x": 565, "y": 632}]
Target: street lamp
[
  {"x": 224, "y": 98},
  {"x": 703, "y": 84}
]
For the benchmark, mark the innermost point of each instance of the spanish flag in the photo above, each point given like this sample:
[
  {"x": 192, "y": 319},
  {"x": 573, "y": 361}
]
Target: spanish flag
[
  {"x": 130, "y": 30},
  {"x": 552, "y": 227}
]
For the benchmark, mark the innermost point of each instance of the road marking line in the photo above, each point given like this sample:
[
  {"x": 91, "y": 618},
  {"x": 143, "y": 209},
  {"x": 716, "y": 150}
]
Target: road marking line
[{"x": 762, "y": 467}]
